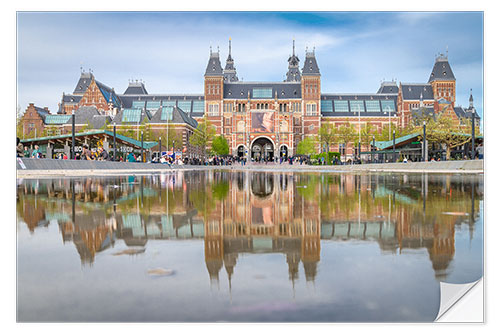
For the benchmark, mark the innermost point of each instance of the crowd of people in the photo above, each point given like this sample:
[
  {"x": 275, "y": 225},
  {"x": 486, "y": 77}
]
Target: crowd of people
[{"x": 100, "y": 154}]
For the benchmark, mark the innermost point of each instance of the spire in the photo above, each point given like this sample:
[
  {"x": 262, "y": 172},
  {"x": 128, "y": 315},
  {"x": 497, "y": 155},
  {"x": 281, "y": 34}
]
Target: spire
[
  {"x": 230, "y": 70},
  {"x": 293, "y": 74},
  {"x": 471, "y": 100}
]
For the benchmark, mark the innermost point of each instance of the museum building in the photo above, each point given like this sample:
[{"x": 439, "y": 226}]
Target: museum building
[{"x": 261, "y": 119}]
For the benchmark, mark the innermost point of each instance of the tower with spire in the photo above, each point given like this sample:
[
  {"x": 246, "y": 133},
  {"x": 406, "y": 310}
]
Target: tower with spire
[
  {"x": 230, "y": 70},
  {"x": 293, "y": 74}
]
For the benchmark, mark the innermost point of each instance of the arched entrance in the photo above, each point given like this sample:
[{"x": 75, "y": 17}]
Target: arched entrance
[
  {"x": 284, "y": 151},
  {"x": 262, "y": 149},
  {"x": 241, "y": 151}
]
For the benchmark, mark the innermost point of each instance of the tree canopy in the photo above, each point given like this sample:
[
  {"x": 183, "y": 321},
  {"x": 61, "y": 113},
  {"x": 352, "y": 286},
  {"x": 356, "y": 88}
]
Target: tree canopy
[
  {"x": 203, "y": 135},
  {"x": 220, "y": 146},
  {"x": 306, "y": 146}
]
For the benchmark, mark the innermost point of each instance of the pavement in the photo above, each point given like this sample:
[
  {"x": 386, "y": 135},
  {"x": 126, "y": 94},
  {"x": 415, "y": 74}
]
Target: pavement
[{"x": 27, "y": 167}]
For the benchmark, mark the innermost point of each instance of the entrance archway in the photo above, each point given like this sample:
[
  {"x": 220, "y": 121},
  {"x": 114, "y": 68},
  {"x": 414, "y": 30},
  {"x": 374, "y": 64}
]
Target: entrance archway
[
  {"x": 241, "y": 151},
  {"x": 262, "y": 149},
  {"x": 284, "y": 152}
]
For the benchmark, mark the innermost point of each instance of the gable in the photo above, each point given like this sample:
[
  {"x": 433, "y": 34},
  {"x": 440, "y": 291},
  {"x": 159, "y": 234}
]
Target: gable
[{"x": 93, "y": 96}]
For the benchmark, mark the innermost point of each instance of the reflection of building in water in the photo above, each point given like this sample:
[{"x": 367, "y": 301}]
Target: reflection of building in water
[
  {"x": 238, "y": 212},
  {"x": 259, "y": 216},
  {"x": 91, "y": 233}
]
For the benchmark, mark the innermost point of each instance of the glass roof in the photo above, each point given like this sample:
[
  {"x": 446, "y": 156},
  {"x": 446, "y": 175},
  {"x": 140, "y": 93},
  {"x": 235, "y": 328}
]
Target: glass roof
[
  {"x": 169, "y": 103},
  {"x": 131, "y": 115},
  {"x": 138, "y": 104},
  {"x": 373, "y": 106},
  {"x": 357, "y": 106},
  {"x": 341, "y": 106},
  {"x": 57, "y": 119},
  {"x": 262, "y": 93},
  {"x": 388, "y": 105},
  {"x": 184, "y": 106},
  {"x": 198, "y": 106},
  {"x": 153, "y": 105},
  {"x": 167, "y": 112},
  {"x": 326, "y": 106}
]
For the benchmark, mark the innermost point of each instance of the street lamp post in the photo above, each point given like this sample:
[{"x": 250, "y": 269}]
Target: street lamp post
[
  {"x": 114, "y": 143},
  {"x": 394, "y": 146},
  {"x": 473, "y": 137},
  {"x": 373, "y": 147},
  {"x": 73, "y": 134},
  {"x": 159, "y": 153},
  {"x": 424, "y": 153},
  {"x": 142, "y": 147}
]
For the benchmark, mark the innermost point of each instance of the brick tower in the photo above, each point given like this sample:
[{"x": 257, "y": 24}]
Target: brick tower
[{"x": 214, "y": 85}]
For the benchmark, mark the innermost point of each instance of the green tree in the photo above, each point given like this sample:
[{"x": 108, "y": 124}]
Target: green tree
[
  {"x": 445, "y": 131},
  {"x": 146, "y": 130},
  {"x": 344, "y": 135},
  {"x": 367, "y": 133},
  {"x": 203, "y": 135},
  {"x": 220, "y": 146},
  {"x": 306, "y": 146},
  {"x": 326, "y": 135}
]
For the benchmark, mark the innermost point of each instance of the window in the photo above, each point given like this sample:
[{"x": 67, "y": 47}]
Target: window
[
  {"x": 296, "y": 107},
  {"x": 372, "y": 106},
  {"x": 241, "y": 107},
  {"x": 262, "y": 93},
  {"x": 341, "y": 106},
  {"x": 357, "y": 106},
  {"x": 213, "y": 110},
  {"x": 283, "y": 107},
  {"x": 326, "y": 106},
  {"x": 311, "y": 109}
]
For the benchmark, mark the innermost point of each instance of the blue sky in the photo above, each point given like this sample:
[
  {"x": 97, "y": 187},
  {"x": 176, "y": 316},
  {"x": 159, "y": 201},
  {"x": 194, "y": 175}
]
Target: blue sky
[{"x": 169, "y": 50}]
